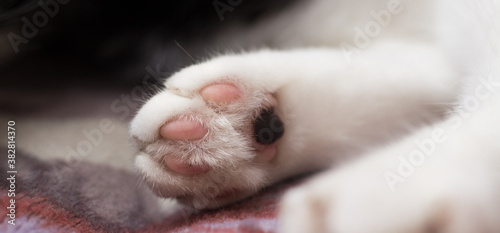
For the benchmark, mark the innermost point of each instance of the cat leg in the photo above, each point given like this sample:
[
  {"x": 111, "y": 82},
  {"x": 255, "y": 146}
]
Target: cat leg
[
  {"x": 444, "y": 178},
  {"x": 225, "y": 128}
]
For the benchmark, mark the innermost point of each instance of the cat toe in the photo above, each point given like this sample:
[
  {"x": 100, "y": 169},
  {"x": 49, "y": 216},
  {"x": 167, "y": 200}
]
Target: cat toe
[
  {"x": 223, "y": 93},
  {"x": 185, "y": 168},
  {"x": 183, "y": 129}
]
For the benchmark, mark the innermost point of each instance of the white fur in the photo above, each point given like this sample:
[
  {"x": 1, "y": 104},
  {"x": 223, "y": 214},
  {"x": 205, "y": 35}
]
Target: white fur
[{"x": 337, "y": 103}]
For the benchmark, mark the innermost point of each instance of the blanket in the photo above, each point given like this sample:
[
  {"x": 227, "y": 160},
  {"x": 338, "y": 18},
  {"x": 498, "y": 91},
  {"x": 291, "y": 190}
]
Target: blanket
[{"x": 57, "y": 196}]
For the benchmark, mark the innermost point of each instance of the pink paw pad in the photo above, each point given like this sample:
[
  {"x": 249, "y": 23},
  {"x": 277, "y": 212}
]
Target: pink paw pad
[
  {"x": 223, "y": 93},
  {"x": 183, "y": 130},
  {"x": 266, "y": 153},
  {"x": 184, "y": 168}
]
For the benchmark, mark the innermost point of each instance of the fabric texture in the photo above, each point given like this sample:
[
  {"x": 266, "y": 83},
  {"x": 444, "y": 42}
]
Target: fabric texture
[{"x": 55, "y": 196}]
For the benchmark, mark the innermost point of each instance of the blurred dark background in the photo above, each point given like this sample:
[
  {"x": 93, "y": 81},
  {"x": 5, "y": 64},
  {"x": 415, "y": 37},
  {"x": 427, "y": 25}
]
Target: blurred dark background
[
  {"x": 74, "y": 57},
  {"x": 110, "y": 42}
]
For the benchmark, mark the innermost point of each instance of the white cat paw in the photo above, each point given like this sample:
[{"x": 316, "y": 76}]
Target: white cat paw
[
  {"x": 357, "y": 200},
  {"x": 207, "y": 139}
]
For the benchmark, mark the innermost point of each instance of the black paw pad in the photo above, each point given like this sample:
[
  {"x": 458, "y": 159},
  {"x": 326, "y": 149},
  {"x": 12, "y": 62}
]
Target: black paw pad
[{"x": 268, "y": 127}]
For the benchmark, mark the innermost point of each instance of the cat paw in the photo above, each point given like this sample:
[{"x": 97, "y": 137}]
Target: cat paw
[
  {"x": 209, "y": 139},
  {"x": 357, "y": 200}
]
